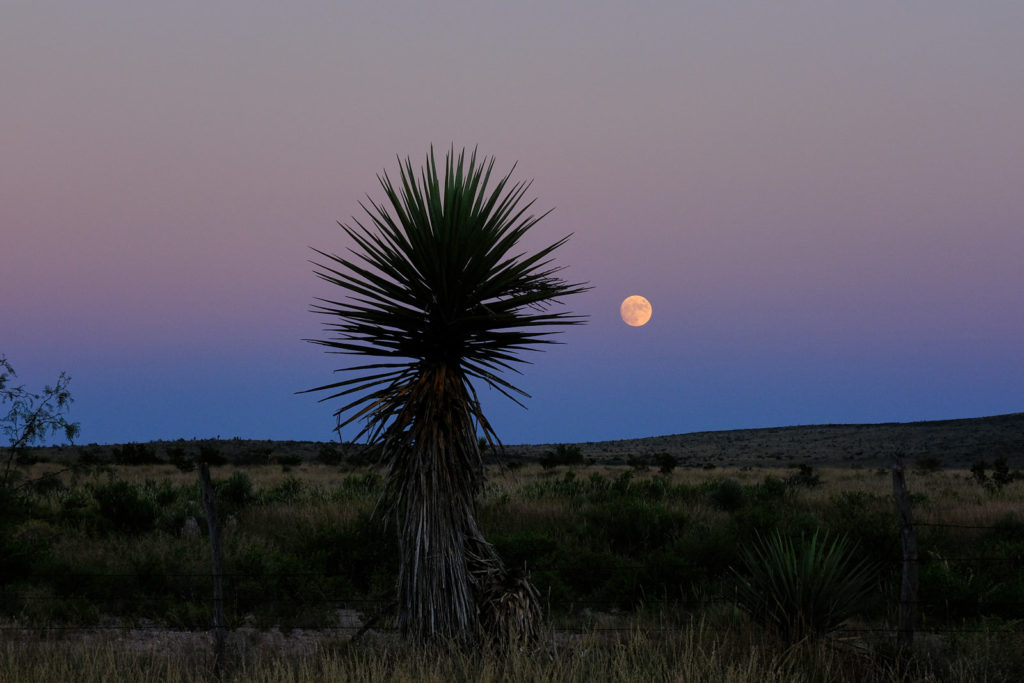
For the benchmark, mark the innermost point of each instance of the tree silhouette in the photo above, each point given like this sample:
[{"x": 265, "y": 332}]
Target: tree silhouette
[
  {"x": 27, "y": 417},
  {"x": 440, "y": 294}
]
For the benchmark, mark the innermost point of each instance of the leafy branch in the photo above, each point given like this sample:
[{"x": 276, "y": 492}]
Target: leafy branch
[{"x": 30, "y": 417}]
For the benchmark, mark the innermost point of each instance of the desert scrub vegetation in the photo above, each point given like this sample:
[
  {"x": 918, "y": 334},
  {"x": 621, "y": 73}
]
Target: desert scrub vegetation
[{"x": 122, "y": 546}]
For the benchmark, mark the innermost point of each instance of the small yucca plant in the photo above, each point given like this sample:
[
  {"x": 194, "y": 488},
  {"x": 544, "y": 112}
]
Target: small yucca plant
[{"x": 803, "y": 590}]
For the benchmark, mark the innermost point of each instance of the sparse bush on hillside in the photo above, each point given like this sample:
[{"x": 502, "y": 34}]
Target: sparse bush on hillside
[
  {"x": 805, "y": 477},
  {"x": 257, "y": 455},
  {"x": 1000, "y": 477},
  {"x": 288, "y": 461},
  {"x": 564, "y": 454},
  {"x": 666, "y": 462},
  {"x": 329, "y": 454},
  {"x": 178, "y": 457},
  {"x": 639, "y": 463},
  {"x": 361, "y": 456},
  {"x": 211, "y": 455},
  {"x": 770, "y": 489},
  {"x": 134, "y": 454},
  {"x": 90, "y": 455}
]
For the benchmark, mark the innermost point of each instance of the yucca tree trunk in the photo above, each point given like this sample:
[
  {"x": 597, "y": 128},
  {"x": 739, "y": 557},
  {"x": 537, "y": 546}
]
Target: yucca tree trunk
[
  {"x": 435, "y": 586},
  {"x": 451, "y": 581},
  {"x": 435, "y": 473}
]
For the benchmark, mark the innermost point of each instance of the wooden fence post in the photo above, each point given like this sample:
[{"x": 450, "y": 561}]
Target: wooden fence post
[
  {"x": 908, "y": 539},
  {"x": 218, "y": 567}
]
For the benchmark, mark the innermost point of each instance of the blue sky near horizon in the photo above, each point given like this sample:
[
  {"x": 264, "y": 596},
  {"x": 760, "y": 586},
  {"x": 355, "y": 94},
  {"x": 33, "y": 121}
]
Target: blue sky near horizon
[{"x": 822, "y": 202}]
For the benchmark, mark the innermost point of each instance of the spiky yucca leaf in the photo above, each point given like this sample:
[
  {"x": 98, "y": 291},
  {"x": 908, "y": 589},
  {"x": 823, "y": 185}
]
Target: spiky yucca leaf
[
  {"x": 439, "y": 295},
  {"x": 806, "y": 589}
]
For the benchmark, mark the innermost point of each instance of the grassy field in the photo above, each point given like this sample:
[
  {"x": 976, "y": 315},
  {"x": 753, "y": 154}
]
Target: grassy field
[{"x": 107, "y": 570}]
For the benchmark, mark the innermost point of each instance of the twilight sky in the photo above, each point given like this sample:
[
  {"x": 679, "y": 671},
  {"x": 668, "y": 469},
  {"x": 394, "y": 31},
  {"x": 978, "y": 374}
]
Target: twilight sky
[{"x": 824, "y": 202}]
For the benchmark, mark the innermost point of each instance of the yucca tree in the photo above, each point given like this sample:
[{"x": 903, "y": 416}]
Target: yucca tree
[{"x": 440, "y": 295}]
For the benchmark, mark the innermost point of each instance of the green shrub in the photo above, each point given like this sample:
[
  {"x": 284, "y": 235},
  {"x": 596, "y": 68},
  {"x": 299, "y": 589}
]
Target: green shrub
[
  {"x": 258, "y": 455},
  {"x": 90, "y": 455},
  {"x": 623, "y": 483},
  {"x": 1001, "y": 475},
  {"x": 181, "y": 459},
  {"x": 529, "y": 547},
  {"x": 47, "y": 485},
  {"x": 803, "y": 590},
  {"x": 329, "y": 454},
  {"x": 211, "y": 455},
  {"x": 770, "y": 489},
  {"x": 236, "y": 490},
  {"x": 638, "y": 462},
  {"x": 360, "y": 556},
  {"x": 805, "y": 477},
  {"x": 929, "y": 464},
  {"x": 355, "y": 486},
  {"x": 289, "y": 490},
  {"x": 126, "y": 508},
  {"x": 563, "y": 454},
  {"x": 633, "y": 527},
  {"x": 728, "y": 495},
  {"x": 868, "y": 520},
  {"x": 666, "y": 462},
  {"x": 134, "y": 454}
]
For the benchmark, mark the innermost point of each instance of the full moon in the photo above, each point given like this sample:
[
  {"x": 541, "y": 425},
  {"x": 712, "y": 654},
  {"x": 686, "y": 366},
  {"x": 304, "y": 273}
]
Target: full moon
[{"x": 635, "y": 311}]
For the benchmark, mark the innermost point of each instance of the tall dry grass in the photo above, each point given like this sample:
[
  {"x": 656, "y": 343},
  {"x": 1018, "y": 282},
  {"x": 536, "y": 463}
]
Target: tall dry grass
[{"x": 641, "y": 650}]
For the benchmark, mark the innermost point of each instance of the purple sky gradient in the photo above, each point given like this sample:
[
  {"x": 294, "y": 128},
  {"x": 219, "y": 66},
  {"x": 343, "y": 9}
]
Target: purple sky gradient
[{"x": 823, "y": 204}]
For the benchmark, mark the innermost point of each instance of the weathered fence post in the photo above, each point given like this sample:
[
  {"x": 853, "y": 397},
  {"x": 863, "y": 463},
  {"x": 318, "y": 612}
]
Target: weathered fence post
[
  {"x": 218, "y": 568},
  {"x": 908, "y": 539}
]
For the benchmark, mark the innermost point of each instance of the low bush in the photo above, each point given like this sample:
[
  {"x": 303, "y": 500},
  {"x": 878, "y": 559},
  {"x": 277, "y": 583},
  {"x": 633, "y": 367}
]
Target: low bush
[
  {"x": 728, "y": 495},
  {"x": 563, "y": 454},
  {"x": 134, "y": 454},
  {"x": 288, "y": 461},
  {"x": 288, "y": 490},
  {"x": 126, "y": 508},
  {"x": 211, "y": 455},
  {"x": 665, "y": 462},
  {"x": 236, "y": 491},
  {"x": 805, "y": 477},
  {"x": 329, "y": 454},
  {"x": 770, "y": 489}
]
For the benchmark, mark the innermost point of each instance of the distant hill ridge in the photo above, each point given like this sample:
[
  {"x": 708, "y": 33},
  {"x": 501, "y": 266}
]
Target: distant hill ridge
[{"x": 954, "y": 443}]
